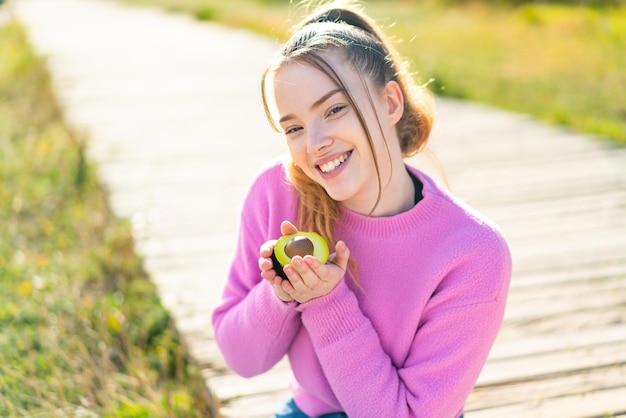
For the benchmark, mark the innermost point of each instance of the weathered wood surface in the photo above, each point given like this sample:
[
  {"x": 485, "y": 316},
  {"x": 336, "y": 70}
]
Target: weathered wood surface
[
  {"x": 159, "y": 96},
  {"x": 561, "y": 200}
]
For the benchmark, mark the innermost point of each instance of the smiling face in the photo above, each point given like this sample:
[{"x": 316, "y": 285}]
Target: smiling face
[{"x": 326, "y": 138}]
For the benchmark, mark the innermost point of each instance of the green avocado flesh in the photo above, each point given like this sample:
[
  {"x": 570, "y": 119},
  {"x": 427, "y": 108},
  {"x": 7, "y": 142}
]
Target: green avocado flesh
[{"x": 300, "y": 243}]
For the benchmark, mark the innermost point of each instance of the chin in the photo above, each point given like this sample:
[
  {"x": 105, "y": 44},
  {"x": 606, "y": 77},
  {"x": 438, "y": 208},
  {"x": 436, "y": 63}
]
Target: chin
[{"x": 338, "y": 196}]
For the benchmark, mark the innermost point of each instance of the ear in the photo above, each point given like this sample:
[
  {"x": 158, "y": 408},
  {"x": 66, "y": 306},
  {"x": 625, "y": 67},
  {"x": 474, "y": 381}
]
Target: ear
[{"x": 395, "y": 101}]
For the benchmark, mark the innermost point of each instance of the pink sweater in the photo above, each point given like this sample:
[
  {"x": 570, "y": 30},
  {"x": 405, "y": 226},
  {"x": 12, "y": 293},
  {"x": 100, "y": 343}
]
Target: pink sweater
[{"x": 410, "y": 343}]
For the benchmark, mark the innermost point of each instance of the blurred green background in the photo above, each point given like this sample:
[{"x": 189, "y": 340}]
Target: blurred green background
[{"x": 563, "y": 62}]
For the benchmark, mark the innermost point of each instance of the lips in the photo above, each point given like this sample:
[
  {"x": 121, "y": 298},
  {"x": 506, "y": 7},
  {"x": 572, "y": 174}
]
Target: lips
[{"x": 330, "y": 166}]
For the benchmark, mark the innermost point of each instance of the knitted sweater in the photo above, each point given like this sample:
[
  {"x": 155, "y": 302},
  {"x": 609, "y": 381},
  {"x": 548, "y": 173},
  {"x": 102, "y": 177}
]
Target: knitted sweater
[{"x": 409, "y": 340}]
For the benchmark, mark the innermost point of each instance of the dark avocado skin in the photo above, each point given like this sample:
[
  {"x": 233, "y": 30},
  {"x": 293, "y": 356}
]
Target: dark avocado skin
[
  {"x": 314, "y": 240},
  {"x": 278, "y": 268}
]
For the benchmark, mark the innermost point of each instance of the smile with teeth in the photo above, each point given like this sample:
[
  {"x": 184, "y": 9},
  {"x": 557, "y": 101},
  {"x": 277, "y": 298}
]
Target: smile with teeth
[{"x": 332, "y": 165}]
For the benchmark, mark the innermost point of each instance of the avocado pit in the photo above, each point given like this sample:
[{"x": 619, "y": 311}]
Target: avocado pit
[{"x": 299, "y": 245}]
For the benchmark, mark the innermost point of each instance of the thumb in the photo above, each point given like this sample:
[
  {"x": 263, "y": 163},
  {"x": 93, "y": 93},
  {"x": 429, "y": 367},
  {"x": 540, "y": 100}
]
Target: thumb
[
  {"x": 287, "y": 227},
  {"x": 342, "y": 255}
]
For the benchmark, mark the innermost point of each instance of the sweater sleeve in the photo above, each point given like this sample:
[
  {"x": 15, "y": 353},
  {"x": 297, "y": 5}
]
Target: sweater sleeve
[
  {"x": 456, "y": 331},
  {"x": 252, "y": 326}
]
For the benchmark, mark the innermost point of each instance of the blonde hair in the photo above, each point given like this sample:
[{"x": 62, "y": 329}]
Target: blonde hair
[{"x": 344, "y": 27}]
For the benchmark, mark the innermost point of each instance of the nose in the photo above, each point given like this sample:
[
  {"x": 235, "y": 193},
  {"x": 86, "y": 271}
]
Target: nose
[{"x": 318, "y": 139}]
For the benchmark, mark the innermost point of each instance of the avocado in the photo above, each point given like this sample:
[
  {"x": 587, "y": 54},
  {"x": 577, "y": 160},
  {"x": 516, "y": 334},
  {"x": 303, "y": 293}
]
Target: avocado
[{"x": 300, "y": 243}]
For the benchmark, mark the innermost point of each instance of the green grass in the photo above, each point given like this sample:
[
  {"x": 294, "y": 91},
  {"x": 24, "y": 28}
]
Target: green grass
[
  {"x": 82, "y": 332},
  {"x": 561, "y": 63}
]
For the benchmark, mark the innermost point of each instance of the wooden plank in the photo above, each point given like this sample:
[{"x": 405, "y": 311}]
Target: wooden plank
[
  {"x": 591, "y": 271},
  {"x": 599, "y": 245},
  {"x": 555, "y": 228},
  {"x": 552, "y": 363},
  {"x": 531, "y": 143},
  {"x": 591, "y": 266},
  {"x": 525, "y": 192},
  {"x": 604, "y": 403},
  {"x": 537, "y": 390},
  {"x": 460, "y": 159},
  {"x": 533, "y": 310},
  {"x": 571, "y": 321},
  {"x": 232, "y": 386},
  {"x": 262, "y": 405},
  {"x": 537, "y": 172},
  {"x": 539, "y": 258},
  {"x": 550, "y": 207},
  {"x": 539, "y": 223},
  {"x": 564, "y": 341},
  {"x": 538, "y": 161},
  {"x": 570, "y": 289},
  {"x": 549, "y": 181}
]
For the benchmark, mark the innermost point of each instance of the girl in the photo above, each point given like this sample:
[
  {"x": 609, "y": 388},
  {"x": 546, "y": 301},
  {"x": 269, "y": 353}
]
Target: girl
[{"x": 400, "y": 320}]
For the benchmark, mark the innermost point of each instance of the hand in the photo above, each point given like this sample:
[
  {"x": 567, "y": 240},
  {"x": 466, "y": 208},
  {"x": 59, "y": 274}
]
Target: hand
[
  {"x": 308, "y": 277},
  {"x": 267, "y": 267}
]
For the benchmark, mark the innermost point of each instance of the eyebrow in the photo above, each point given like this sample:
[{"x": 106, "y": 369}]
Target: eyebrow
[{"x": 316, "y": 104}]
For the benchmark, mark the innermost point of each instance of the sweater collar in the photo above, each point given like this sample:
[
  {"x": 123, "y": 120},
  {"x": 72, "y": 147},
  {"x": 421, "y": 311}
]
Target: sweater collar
[{"x": 399, "y": 224}]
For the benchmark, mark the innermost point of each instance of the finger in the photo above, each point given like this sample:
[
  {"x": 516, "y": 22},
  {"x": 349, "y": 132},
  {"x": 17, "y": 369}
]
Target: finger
[
  {"x": 307, "y": 274},
  {"x": 277, "y": 284},
  {"x": 267, "y": 249},
  {"x": 268, "y": 275},
  {"x": 342, "y": 255},
  {"x": 324, "y": 272},
  {"x": 265, "y": 264},
  {"x": 287, "y": 227},
  {"x": 296, "y": 285},
  {"x": 287, "y": 288}
]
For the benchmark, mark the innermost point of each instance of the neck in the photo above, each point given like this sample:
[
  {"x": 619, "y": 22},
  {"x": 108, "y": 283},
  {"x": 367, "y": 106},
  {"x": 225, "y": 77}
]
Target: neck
[{"x": 397, "y": 196}]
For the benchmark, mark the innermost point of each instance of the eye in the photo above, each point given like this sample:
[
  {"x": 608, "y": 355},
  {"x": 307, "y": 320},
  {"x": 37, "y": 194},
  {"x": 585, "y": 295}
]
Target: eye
[
  {"x": 292, "y": 130},
  {"x": 336, "y": 109}
]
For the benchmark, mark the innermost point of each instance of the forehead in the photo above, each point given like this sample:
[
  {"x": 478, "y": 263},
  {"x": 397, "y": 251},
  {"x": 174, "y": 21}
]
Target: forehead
[
  {"x": 302, "y": 79},
  {"x": 298, "y": 72},
  {"x": 325, "y": 65},
  {"x": 298, "y": 85}
]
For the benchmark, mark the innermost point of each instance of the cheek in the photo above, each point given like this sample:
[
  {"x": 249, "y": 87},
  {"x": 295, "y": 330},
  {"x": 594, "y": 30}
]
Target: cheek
[{"x": 297, "y": 149}]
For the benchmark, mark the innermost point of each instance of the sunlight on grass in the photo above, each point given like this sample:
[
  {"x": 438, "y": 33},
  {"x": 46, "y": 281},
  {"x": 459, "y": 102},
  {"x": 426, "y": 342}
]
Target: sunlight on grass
[{"x": 561, "y": 64}]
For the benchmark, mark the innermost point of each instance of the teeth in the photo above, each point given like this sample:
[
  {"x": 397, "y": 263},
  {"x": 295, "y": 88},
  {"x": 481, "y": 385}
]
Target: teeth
[{"x": 331, "y": 165}]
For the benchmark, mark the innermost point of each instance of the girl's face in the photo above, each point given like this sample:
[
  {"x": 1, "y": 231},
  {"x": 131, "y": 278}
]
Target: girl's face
[{"x": 324, "y": 135}]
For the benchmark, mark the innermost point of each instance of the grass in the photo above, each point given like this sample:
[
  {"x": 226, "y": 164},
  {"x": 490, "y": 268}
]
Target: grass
[
  {"x": 82, "y": 332},
  {"x": 561, "y": 63}
]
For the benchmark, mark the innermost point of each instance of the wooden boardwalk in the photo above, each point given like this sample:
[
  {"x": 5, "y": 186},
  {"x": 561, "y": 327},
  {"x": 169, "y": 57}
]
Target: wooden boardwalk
[
  {"x": 561, "y": 200},
  {"x": 160, "y": 118}
]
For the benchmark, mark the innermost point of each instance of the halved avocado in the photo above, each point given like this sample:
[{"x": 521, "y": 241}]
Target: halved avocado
[{"x": 300, "y": 243}]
